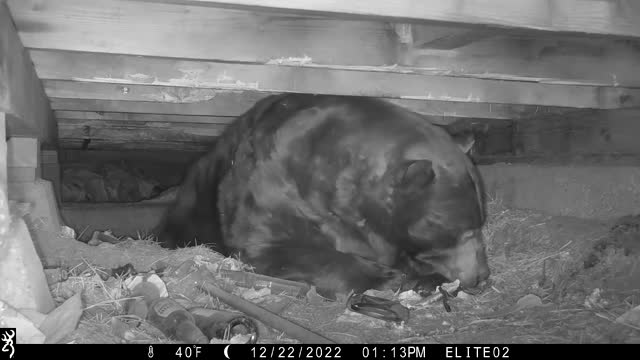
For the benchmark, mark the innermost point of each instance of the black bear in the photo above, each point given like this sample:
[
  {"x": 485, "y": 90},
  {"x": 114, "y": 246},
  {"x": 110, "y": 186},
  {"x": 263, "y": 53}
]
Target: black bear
[{"x": 345, "y": 193}]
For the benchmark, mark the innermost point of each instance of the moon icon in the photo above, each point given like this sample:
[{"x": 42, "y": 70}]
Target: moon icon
[{"x": 226, "y": 352}]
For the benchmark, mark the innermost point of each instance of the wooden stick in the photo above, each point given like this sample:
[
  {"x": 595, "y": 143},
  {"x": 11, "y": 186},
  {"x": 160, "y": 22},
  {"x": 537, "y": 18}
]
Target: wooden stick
[{"x": 261, "y": 314}]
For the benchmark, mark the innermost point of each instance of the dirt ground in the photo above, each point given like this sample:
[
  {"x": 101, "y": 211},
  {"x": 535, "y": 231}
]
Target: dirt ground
[{"x": 554, "y": 280}]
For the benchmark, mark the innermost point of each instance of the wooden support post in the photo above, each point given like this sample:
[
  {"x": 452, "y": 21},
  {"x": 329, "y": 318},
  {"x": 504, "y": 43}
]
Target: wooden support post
[
  {"x": 22, "y": 97},
  {"x": 23, "y": 282},
  {"x": 5, "y": 218}
]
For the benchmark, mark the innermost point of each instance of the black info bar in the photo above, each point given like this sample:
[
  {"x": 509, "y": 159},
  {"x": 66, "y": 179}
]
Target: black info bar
[{"x": 350, "y": 351}]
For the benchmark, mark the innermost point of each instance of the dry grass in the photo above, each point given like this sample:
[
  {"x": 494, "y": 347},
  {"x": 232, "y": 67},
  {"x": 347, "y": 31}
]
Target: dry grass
[{"x": 530, "y": 253}]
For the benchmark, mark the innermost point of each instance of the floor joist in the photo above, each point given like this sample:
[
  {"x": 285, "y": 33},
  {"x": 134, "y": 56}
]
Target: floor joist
[
  {"x": 617, "y": 18},
  {"x": 119, "y": 77}
]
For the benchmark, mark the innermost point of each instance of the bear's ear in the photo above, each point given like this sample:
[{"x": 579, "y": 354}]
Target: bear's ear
[
  {"x": 465, "y": 141},
  {"x": 415, "y": 174},
  {"x": 462, "y": 134}
]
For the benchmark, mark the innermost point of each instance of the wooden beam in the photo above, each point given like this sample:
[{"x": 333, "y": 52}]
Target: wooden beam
[
  {"x": 416, "y": 88},
  {"x": 162, "y": 118},
  {"x": 598, "y": 17},
  {"x": 21, "y": 95},
  {"x": 154, "y": 131},
  {"x": 5, "y": 216},
  {"x": 582, "y": 133},
  {"x": 126, "y": 27},
  {"x": 445, "y": 112},
  {"x": 437, "y": 111},
  {"x": 187, "y": 32},
  {"x": 493, "y": 137},
  {"x": 120, "y": 132},
  {"x": 74, "y": 157},
  {"x": 447, "y": 38},
  {"x": 120, "y": 77},
  {"x": 546, "y": 60},
  {"x": 119, "y": 145},
  {"x": 224, "y": 105}
]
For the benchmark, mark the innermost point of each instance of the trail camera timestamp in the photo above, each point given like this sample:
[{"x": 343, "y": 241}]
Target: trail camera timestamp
[{"x": 394, "y": 352}]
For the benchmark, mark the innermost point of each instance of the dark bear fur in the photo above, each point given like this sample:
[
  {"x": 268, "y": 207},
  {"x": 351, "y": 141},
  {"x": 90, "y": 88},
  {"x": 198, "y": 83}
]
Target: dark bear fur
[{"x": 345, "y": 193}]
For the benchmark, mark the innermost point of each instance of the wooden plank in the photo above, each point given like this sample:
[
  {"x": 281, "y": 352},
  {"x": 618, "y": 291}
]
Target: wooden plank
[
  {"x": 619, "y": 18},
  {"x": 437, "y": 111},
  {"x": 21, "y": 95},
  {"x": 372, "y": 84},
  {"x": 110, "y": 116},
  {"x": 180, "y": 31},
  {"x": 493, "y": 137},
  {"x": 230, "y": 105},
  {"x": 588, "y": 132},
  {"x": 446, "y": 112},
  {"x": 547, "y": 60},
  {"x": 118, "y": 77},
  {"x": 120, "y": 145},
  {"x": 425, "y": 38},
  {"x": 173, "y": 131},
  {"x": 71, "y": 157},
  {"x": 125, "y": 131},
  {"x": 5, "y": 218}
]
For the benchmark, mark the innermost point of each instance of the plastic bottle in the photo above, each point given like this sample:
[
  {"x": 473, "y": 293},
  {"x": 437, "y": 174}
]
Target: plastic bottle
[
  {"x": 175, "y": 321},
  {"x": 164, "y": 313},
  {"x": 223, "y": 325},
  {"x": 258, "y": 281}
]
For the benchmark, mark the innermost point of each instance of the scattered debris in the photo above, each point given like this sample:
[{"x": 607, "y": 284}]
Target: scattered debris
[
  {"x": 252, "y": 294},
  {"x": 62, "y": 320},
  {"x": 378, "y": 308},
  {"x": 67, "y": 232},
  {"x": 525, "y": 302},
  {"x": 146, "y": 285},
  {"x": 314, "y": 298},
  {"x": 122, "y": 329},
  {"x": 207, "y": 284},
  {"x": 594, "y": 300},
  {"x": 386, "y": 294},
  {"x": 103, "y": 236},
  {"x": 362, "y": 320},
  {"x": 161, "y": 311},
  {"x": 631, "y": 317},
  {"x": 123, "y": 271},
  {"x": 225, "y": 325},
  {"x": 236, "y": 339},
  {"x": 520, "y": 244},
  {"x": 55, "y": 276},
  {"x": 528, "y": 301},
  {"x": 409, "y": 295},
  {"x": 451, "y": 288},
  {"x": 181, "y": 271},
  {"x": 257, "y": 281}
]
